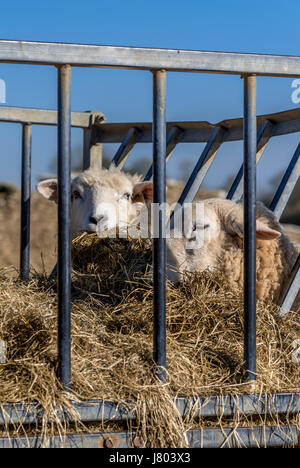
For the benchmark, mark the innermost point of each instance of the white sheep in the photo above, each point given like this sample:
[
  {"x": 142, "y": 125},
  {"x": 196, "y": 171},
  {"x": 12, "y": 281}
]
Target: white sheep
[
  {"x": 101, "y": 199},
  {"x": 212, "y": 237},
  {"x": 213, "y": 240}
]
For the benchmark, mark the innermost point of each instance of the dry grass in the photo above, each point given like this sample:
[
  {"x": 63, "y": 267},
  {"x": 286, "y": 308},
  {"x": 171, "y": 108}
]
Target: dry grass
[{"x": 112, "y": 341}]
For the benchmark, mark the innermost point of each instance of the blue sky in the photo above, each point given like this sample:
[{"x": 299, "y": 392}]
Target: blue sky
[{"x": 262, "y": 27}]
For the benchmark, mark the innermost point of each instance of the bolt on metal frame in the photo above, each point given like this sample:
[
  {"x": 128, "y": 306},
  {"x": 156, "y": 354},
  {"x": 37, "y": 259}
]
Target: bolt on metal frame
[{"x": 164, "y": 138}]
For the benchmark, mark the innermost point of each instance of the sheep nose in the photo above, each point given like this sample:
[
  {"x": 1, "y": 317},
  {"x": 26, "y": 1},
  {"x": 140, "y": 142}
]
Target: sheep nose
[{"x": 96, "y": 219}]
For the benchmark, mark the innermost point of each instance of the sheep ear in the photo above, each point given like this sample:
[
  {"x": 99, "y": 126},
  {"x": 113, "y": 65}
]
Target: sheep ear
[
  {"x": 48, "y": 189},
  {"x": 263, "y": 232},
  {"x": 143, "y": 190}
]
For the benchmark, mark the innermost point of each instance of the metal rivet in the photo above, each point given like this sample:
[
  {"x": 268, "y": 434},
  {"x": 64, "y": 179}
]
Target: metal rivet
[
  {"x": 108, "y": 443},
  {"x": 138, "y": 442}
]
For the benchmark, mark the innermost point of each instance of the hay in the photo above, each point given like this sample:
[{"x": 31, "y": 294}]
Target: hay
[
  {"x": 109, "y": 266},
  {"x": 112, "y": 341}
]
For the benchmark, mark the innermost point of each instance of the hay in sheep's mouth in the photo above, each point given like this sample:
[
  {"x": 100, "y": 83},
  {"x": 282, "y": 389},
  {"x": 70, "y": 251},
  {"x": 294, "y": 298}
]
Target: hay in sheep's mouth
[
  {"x": 112, "y": 341},
  {"x": 109, "y": 267}
]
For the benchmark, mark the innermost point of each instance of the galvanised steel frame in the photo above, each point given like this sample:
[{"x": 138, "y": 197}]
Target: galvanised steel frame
[{"x": 255, "y": 132}]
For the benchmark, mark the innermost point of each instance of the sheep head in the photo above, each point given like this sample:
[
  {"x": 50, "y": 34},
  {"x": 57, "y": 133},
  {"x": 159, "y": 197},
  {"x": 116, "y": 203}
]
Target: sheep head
[
  {"x": 101, "y": 200},
  {"x": 209, "y": 228}
]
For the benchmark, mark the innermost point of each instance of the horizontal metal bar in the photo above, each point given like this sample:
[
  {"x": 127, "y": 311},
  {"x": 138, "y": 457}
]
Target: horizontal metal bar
[
  {"x": 89, "y": 411},
  {"x": 47, "y": 117},
  {"x": 199, "y": 132},
  {"x": 213, "y": 406},
  {"x": 251, "y": 404},
  {"x": 191, "y": 132},
  {"x": 44, "y": 53},
  {"x": 246, "y": 437},
  {"x": 118, "y": 440}
]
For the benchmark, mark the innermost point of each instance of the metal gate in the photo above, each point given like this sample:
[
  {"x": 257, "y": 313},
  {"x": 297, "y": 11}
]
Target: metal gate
[{"x": 255, "y": 133}]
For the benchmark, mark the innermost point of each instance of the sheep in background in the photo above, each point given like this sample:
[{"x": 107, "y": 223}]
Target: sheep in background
[{"x": 213, "y": 240}]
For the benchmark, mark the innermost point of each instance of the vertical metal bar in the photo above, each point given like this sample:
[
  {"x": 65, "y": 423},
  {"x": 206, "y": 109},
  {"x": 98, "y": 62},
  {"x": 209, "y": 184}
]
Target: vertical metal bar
[
  {"x": 286, "y": 185},
  {"x": 64, "y": 241},
  {"x": 250, "y": 226},
  {"x": 92, "y": 150},
  {"x": 159, "y": 243},
  {"x": 3, "y": 352},
  {"x": 92, "y": 153},
  {"x": 25, "y": 202},
  {"x": 86, "y": 161},
  {"x": 96, "y": 153}
]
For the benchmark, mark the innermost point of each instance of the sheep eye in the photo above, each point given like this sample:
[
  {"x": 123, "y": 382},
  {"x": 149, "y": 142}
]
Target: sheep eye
[
  {"x": 127, "y": 196},
  {"x": 76, "y": 195}
]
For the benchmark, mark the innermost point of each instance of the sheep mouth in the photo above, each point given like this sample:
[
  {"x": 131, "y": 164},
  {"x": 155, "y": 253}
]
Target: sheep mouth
[{"x": 92, "y": 228}]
